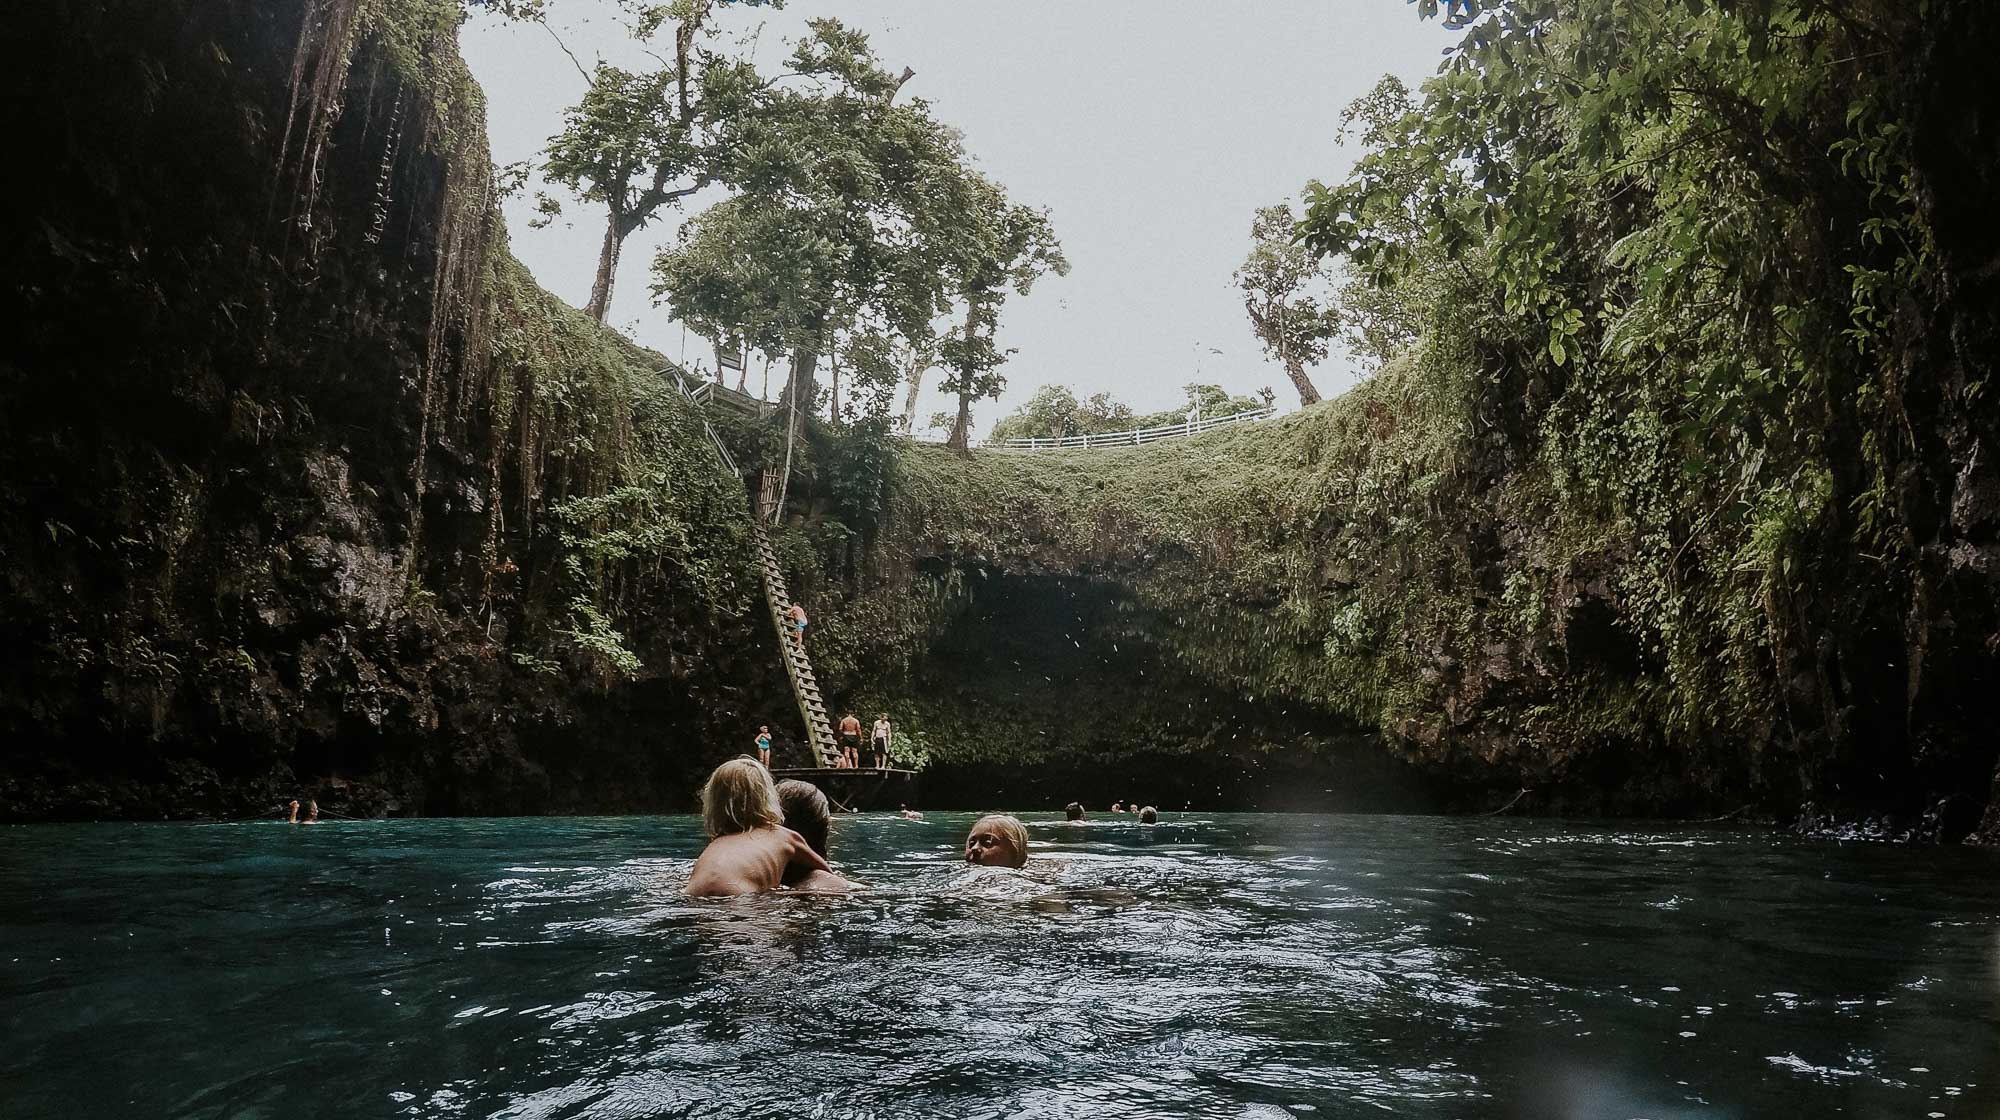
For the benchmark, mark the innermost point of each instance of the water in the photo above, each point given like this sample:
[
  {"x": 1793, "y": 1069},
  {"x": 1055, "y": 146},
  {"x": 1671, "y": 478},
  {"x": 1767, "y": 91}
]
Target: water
[{"x": 1226, "y": 965}]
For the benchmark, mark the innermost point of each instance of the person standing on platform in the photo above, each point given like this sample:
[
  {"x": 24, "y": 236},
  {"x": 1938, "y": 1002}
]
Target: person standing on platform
[
  {"x": 850, "y": 741},
  {"x": 764, "y": 746},
  {"x": 880, "y": 741}
]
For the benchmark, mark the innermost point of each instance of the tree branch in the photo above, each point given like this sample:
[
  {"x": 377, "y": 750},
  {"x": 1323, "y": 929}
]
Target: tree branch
[{"x": 573, "y": 60}]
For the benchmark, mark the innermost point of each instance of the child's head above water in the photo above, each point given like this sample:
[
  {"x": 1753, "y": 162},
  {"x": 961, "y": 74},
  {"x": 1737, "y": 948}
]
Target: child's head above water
[
  {"x": 806, "y": 812},
  {"x": 1149, "y": 815},
  {"x": 1073, "y": 811},
  {"x": 997, "y": 841},
  {"x": 739, "y": 797}
]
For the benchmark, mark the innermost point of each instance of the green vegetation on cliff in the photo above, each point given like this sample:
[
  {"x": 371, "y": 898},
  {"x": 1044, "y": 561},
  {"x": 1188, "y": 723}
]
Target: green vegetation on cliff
[
  {"x": 1676, "y": 489},
  {"x": 309, "y": 487}
]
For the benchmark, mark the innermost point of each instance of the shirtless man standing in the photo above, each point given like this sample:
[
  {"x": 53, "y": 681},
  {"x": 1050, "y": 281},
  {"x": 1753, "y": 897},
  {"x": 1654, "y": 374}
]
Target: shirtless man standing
[{"x": 850, "y": 741}]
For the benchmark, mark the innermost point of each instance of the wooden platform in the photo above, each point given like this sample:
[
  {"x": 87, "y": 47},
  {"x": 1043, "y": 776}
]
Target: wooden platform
[
  {"x": 817, "y": 774},
  {"x": 862, "y": 787}
]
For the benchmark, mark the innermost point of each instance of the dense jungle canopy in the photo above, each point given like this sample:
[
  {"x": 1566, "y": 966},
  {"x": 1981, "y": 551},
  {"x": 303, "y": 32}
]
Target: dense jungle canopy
[{"x": 1671, "y": 491}]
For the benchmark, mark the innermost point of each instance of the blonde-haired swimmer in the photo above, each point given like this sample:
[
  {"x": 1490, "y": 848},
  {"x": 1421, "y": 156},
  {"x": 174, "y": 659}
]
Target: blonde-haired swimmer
[
  {"x": 749, "y": 848},
  {"x": 997, "y": 841}
]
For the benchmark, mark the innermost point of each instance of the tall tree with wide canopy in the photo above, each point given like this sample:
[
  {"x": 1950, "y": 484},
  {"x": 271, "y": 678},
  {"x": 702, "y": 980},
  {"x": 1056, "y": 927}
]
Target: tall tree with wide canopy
[
  {"x": 640, "y": 142},
  {"x": 846, "y": 213}
]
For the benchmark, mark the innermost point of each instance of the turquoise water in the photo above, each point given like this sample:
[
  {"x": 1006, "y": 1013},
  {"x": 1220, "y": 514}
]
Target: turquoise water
[{"x": 1225, "y": 965}]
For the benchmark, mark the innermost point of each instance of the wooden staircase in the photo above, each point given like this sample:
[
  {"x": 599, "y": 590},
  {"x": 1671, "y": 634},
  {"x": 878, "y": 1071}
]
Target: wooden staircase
[{"x": 805, "y": 686}]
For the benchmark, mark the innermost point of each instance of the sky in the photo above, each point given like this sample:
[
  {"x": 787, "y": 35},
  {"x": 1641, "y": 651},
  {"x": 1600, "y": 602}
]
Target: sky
[{"x": 1150, "y": 129}]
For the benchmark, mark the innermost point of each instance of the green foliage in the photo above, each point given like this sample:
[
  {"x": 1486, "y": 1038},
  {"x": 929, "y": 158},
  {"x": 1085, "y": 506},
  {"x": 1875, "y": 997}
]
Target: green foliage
[
  {"x": 844, "y": 194},
  {"x": 1054, "y": 411},
  {"x": 1672, "y": 235},
  {"x": 591, "y": 635},
  {"x": 628, "y": 504},
  {"x": 993, "y": 246},
  {"x": 638, "y": 142}
]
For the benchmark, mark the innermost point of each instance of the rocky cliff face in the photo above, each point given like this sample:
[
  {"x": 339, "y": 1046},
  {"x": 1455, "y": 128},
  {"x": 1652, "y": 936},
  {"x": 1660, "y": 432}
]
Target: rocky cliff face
[{"x": 309, "y": 491}]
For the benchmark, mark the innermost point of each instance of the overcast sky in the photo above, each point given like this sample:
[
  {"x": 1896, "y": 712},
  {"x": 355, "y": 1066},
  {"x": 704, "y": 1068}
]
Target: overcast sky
[{"x": 1150, "y": 129}]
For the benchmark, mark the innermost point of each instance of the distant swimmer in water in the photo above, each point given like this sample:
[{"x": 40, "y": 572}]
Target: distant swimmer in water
[
  {"x": 749, "y": 849},
  {"x": 295, "y": 811},
  {"x": 997, "y": 841},
  {"x": 1149, "y": 815},
  {"x": 909, "y": 814},
  {"x": 807, "y": 814},
  {"x": 1117, "y": 806},
  {"x": 312, "y": 813},
  {"x": 1073, "y": 811}
]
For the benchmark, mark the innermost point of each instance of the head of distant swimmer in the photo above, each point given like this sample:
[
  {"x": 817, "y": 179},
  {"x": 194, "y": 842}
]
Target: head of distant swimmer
[
  {"x": 739, "y": 797},
  {"x": 1149, "y": 815},
  {"x": 997, "y": 841},
  {"x": 806, "y": 812},
  {"x": 1073, "y": 811}
]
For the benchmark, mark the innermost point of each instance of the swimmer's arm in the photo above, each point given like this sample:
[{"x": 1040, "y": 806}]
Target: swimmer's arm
[{"x": 801, "y": 853}]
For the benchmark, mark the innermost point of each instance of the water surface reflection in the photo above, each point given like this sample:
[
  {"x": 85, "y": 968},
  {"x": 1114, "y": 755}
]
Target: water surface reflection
[{"x": 1226, "y": 965}]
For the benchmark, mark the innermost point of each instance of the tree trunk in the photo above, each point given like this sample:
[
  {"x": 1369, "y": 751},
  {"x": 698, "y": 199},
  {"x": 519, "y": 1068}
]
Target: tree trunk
[
  {"x": 1296, "y": 370},
  {"x": 833, "y": 386},
  {"x": 961, "y": 429},
  {"x": 799, "y": 385},
  {"x": 607, "y": 269},
  {"x": 1270, "y": 330},
  {"x": 916, "y": 386}
]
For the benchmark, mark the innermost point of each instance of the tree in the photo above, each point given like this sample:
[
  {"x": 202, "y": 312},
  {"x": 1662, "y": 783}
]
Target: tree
[
  {"x": 1055, "y": 412},
  {"x": 852, "y": 209},
  {"x": 1204, "y": 400},
  {"x": 639, "y": 142},
  {"x": 1276, "y": 280},
  {"x": 999, "y": 246}
]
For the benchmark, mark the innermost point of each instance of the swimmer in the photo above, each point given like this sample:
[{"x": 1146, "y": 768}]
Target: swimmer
[
  {"x": 909, "y": 814},
  {"x": 997, "y": 841},
  {"x": 806, "y": 813},
  {"x": 1149, "y": 815},
  {"x": 1073, "y": 811},
  {"x": 295, "y": 811},
  {"x": 749, "y": 848},
  {"x": 1117, "y": 806},
  {"x": 312, "y": 813}
]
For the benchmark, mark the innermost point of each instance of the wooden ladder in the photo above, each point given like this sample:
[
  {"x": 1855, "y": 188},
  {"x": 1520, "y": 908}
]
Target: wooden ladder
[{"x": 805, "y": 686}]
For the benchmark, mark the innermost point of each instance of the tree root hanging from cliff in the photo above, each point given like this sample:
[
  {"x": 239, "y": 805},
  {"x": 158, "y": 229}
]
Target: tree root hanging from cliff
[{"x": 1509, "y": 805}]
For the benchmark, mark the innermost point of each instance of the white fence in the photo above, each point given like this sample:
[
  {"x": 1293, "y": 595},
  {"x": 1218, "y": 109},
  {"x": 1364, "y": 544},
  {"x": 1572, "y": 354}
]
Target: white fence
[{"x": 1140, "y": 435}]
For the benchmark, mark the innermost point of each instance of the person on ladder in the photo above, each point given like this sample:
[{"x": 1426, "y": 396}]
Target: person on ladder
[{"x": 798, "y": 616}]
